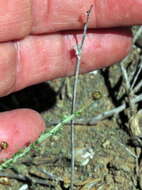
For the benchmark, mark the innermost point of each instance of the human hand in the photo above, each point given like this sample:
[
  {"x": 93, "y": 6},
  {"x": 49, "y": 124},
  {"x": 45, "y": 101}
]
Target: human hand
[{"x": 34, "y": 49}]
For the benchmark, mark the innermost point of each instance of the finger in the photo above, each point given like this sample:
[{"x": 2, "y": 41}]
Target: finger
[
  {"x": 42, "y": 58},
  {"x": 15, "y": 19},
  {"x": 57, "y": 15},
  {"x": 18, "y": 129},
  {"x": 20, "y": 18}
]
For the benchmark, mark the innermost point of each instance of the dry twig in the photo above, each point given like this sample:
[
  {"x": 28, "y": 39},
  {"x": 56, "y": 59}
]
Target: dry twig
[{"x": 78, "y": 50}]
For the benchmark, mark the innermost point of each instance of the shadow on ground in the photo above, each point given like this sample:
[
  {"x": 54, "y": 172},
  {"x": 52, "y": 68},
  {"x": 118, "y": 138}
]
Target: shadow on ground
[{"x": 41, "y": 97}]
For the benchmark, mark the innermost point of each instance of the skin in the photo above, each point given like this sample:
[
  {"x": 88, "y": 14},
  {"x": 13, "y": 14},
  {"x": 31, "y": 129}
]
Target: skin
[{"x": 36, "y": 44}]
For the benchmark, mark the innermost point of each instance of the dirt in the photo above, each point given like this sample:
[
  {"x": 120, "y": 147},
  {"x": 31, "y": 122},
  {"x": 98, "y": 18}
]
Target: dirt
[{"x": 105, "y": 153}]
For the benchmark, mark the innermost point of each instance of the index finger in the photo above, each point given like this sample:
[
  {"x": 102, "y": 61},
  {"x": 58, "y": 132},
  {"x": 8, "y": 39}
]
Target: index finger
[
  {"x": 20, "y": 18},
  {"x": 64, "y": 15}
]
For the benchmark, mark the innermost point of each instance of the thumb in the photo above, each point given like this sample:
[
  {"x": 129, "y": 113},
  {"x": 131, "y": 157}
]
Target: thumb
[{"x": 18, "y": 128}]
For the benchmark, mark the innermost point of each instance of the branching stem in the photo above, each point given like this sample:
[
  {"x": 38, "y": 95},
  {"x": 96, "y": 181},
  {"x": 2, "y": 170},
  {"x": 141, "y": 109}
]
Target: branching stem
[{"x": 78, "y": 50}]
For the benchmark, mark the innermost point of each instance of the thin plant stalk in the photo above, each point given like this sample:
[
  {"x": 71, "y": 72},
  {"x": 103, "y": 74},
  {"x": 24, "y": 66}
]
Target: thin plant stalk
[{"x": 78, "y": 50}]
